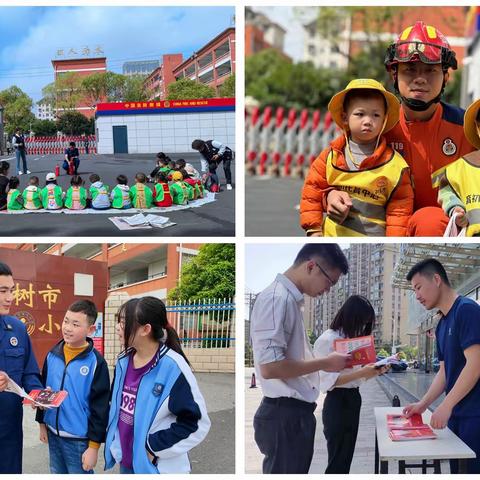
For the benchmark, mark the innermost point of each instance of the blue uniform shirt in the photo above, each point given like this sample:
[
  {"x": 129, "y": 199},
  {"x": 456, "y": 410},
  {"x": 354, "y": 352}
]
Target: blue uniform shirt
[
  {"x": 455, "y": 332},
  {"x": 18, "y": 361}
]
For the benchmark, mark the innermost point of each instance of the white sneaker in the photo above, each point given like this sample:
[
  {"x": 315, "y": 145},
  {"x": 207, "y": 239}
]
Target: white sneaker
[
  {"x": 20, "y": 172},
  {"x": 28, "y": 171},
  {"x": 229, "y": 187}
]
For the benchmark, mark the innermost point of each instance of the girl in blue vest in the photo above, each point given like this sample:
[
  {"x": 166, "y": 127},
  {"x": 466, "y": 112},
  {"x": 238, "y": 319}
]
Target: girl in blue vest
[{"x": 153, "y": 373}]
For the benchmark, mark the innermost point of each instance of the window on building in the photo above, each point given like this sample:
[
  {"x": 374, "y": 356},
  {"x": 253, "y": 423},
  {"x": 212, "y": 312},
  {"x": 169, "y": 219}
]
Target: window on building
[
  {"x": 189, "y": 71},
  {"x": 206, "y": 77},
  {"x": 222, "y": 50},
  {"x": 224, "y": 69},
  {"x": 205, "y": 60}
]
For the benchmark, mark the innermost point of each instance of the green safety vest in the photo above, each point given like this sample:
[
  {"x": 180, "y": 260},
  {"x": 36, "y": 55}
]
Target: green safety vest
[
  {"x": 12, "y": 200},
  {"x": 52, "y": 197},
  {"x": 179, "y": 193},
  {"x": 142, "y": 196},
  {"x": 76, "y": 193},
  {"x": 121, "y": 198},
  {"x": 31, "y": 198}
]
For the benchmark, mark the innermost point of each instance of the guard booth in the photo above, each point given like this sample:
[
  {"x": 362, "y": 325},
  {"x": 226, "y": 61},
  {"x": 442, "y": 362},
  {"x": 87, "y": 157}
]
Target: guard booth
[{"x": 45, "y": 286}]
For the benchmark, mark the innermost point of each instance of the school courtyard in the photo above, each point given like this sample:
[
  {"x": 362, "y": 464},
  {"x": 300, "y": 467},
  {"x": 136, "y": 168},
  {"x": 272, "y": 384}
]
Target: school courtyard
[
  {"x": 216, "y": 454},
  {"x": 211, "y": 219},
  {"x": 408, "y": 386}
]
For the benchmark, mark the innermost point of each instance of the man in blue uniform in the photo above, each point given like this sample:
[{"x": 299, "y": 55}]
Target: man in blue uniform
[
  {"x": 17, "y": 362},
  {"x": 458, "y": 348}
]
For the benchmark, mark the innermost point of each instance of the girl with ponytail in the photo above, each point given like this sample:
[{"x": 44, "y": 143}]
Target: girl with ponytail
[{"x": 157, "y": 413}]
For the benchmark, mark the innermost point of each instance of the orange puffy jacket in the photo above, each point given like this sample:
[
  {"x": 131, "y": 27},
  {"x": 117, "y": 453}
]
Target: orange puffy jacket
[{"x": 315, "y": 189}]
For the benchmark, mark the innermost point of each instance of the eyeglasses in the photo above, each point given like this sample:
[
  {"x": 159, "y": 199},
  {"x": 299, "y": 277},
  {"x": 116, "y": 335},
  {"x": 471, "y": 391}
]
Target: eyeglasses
[{"x": 327, "y": 276}]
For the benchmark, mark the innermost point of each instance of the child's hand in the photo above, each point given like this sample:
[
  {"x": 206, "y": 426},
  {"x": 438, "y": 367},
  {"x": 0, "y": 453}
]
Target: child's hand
[
  {"x": 89, "y": 458},
  {"x": 338, "y": 205},
  {"x": 43, "y": 433},
  {"x": 3, "y": 381},
  {"x": 461, "y": 219}
]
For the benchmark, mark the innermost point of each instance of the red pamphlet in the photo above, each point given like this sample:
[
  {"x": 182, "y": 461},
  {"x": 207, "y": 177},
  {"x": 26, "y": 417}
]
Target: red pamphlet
[
  {"x": 401, "y": 428},
  {"x": 46, "y": 398},
  {"x": 361, "y": 348}
]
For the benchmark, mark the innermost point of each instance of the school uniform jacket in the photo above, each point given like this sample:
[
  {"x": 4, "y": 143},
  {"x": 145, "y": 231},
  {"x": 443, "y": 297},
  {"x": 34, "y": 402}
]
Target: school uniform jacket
[
  {"x": 84, "y": 412},
  {"x": 170, "y": 416}
]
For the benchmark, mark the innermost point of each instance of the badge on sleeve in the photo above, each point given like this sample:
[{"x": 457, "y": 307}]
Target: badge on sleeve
[
  {"x": 13, "y": 341},
  {"x": 157, "y": 389}
]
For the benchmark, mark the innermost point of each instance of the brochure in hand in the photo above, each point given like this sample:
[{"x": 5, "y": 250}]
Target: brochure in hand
[
  {"x": 362, "y": 349},
  {"x": 46, "y": 398},
  {"x": 401, "y": 428}
]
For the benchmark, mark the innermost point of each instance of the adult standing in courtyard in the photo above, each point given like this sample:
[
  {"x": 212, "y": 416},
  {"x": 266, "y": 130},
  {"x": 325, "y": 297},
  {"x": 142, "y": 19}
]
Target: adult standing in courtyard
[
  {"x": 18, "y": 363},
  {"x": 18, "y": 143},
  {"x": 285, "y": 423}
]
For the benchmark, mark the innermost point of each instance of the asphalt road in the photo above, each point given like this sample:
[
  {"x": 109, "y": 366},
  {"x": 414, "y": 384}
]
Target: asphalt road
[
  {"x": 213, "y": 219},
  {"x": 271, "y": 207},
  {"x": 215, "y": 455}
]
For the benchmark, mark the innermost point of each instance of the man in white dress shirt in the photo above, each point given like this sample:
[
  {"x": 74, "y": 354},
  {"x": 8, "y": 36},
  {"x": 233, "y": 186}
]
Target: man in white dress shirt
[{"x": 285, "y": 366}]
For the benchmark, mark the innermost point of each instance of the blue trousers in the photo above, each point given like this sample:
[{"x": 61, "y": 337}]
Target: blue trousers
[
  {"x": 21, "y": 155},
  {"x": 66, "y": 454},
  {"x": 467, "y": 429}
]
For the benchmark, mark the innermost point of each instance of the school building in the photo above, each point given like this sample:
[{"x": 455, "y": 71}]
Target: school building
[
  {"x": 50, "y": 277},
  {"x": 167, "y": 126},
  {"x": 462, "y": 264}
]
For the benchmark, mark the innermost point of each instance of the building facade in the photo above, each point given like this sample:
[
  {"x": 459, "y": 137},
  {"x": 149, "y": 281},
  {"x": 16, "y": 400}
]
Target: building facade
[
  {"x": 158, "y": 80},
  {"x": 213, "y": 63},
  {"x": 139, "y": 67},
  {"x": 44, "y": 111},
  {"x": 81, "y": 67}
]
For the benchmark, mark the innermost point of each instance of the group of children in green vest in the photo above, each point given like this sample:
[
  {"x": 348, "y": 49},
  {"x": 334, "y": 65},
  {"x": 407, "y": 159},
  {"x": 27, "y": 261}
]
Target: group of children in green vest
[{"x": 99, "y": 196}]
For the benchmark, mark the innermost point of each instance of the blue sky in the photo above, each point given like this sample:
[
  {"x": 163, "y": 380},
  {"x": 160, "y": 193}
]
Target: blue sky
[{"x": 31, "y": 36}]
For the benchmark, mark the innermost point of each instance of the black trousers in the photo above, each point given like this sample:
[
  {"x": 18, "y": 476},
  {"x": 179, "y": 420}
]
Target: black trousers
[
  {"x": 226, "y": 158},
  {"x": 285, "y": 433},
  {"x": 341, "y": 415}
]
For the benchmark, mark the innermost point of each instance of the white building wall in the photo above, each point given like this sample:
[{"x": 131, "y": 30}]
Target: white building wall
[{"x": 170, "y": 132}]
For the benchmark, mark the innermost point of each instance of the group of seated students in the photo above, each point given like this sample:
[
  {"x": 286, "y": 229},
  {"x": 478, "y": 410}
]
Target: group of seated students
[{"x": 173, "y": 186}]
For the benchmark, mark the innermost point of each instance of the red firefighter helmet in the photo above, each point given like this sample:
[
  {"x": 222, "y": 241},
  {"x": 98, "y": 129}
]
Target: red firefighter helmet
[{"x": 421, "y": 43}]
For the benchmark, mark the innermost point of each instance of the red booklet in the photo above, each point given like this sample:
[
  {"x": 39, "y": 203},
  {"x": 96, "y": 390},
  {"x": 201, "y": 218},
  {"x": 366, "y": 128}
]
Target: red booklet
[
  {"x": 361, "y": 348},
  {"x": 401, "y": 428},
  {"x": 46, "y": 398},
  {"x": 403, "y": 435}
]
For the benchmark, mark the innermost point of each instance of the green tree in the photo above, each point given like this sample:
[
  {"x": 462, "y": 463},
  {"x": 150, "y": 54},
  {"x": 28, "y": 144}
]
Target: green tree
[
  {"x": 44, "y": 128},
  {"x": 17, "y": 109},
  {"x": 210, "y": 274},
  {"x": 186, "y": 89},
  {"x": 65, "y": 93},
  {"x": 74, "y": 123},
  {"x": 133, "y": 89},
  {"x": 227, "y": 89},
  {"x": 383, "y": 353}
]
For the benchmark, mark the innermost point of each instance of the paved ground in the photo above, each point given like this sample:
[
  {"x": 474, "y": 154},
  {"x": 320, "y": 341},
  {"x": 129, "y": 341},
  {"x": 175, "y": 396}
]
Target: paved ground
[
  {"x": 216, "y": 454},
  {"x": 364, "y": 457},
  {"x": 213, "y": 219},
  {"x": 271, "y": 207}
]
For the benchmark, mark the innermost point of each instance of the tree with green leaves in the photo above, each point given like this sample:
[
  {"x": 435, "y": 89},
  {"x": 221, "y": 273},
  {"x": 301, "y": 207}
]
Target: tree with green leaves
[
  {"x": 186, "y": 89},
  {"x": 210, "y": 274},
  {"x": 44, "y": 128},
  {"x": 17, "y": 109},
  {"x": 227, "y": 89},
  {"x": 65, "y": 93},
  {"x": 74, "y": 123},
  {"x": 134, "y": 90}
]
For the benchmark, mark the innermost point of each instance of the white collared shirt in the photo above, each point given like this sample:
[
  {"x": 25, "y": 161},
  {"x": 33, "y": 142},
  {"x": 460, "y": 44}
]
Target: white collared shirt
[
  {"x": 323, "y": 346},
  {"x": 278, "y": 333}
]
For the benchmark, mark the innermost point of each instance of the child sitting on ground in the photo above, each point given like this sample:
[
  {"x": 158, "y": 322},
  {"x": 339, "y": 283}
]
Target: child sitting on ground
[
  {"x": 4, "y": 167},
  {"x": 100, "y": 199},
  {"x": 460, "y": 184},
  {"x": 190, "y": 184},
  {"x": 161, "y": 165},
  {"x": 76, "y": 197},
  {"x": 52, "y": 195},
  {"x": 162, "y": 191},
  {"x": 142, "y": 196},
  {"x": 372, "y": 180},
  {"x": 178, "y": 189},
  {"x": 14, "y": 197},
  {"x": 120, "y": 195},
  {"x": 31, "y": 194},
  {"x": 189, "y": 168}
]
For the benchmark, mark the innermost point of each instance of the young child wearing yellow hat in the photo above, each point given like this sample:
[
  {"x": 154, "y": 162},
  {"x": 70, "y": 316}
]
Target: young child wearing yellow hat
[
  {"x": 373, "y": 179},
  {"x": 460, "y": 186}
]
